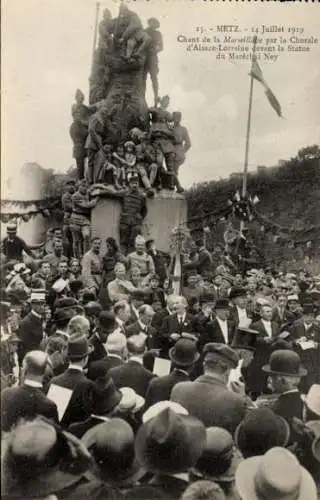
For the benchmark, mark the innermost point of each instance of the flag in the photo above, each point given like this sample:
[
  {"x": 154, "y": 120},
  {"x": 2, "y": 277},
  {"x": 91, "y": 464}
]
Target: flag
[{"x": 256, "y": 73}]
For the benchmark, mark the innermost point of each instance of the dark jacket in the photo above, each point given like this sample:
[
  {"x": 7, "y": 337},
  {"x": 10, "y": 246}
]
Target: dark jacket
[
  {"x": 170, "y": 324},
  {"x": 30, "y": 332},
  {"x": 209, "y": 399},
  {"x": 99, "y": 351},
  {"x": 160, "y": 388},
  {"x": 160, "y": 264},
  {"x": 102, "y": 366},
  {"x": 80, "y": 428},
  {"x": 234, "y": 315},
  {"x": 289, "y": 405},
  {"x": 212, "y": 333},
  {"x": 158, "y": 318},
  {"x": 25, "y": 402},
  {"x": 132, "y": 374},
  {"x": 259, "y": 327},
  {"x": 79, "y": 407}
]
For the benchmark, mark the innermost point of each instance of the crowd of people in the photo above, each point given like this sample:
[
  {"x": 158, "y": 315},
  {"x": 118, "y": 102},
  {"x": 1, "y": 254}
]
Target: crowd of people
[{"x": 122, "y": 381}]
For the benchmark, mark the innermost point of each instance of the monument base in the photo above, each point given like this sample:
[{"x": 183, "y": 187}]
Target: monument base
[{"x": 165, "y": 211}]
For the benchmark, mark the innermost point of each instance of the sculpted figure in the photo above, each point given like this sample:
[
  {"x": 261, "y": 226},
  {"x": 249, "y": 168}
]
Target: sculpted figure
[
  {"x": 107, "y": 171},
  {"x": 79, "y": 131},
  {"x": 156, "y": 46},
  {"x": 94, "y": 142},
  {"x": 147, "y": 166},
  {"x": 162, "y": 138},
  {"x": 181, "y": 140},
  {"x": 130, "y": 34}
]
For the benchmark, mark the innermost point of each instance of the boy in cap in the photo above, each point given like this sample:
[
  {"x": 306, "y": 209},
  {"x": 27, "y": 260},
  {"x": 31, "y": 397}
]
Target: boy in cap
[{"x": 12, "y": 247}]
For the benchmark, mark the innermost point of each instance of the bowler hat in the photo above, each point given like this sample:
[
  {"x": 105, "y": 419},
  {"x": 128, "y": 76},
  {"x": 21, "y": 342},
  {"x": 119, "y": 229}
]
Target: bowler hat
[
  {"x": 222, "y": 304},
  {"x": 214, "y": 350},
  {"x": 237, "y": 292},
  {"x": 184, "y": 353},
  {"x": 107, "y": 321},
  {"x": 219, "y": 461},
  {"x": 207, "y": 297},
  {"x": 308, "y": 308},
  {"x": 170, "y": 443},
  {"x": 285, "y": 362},
  {"x": 105, "y": 396},
  {"x": 261, "y": 430},
  {"x": 93, "y": 308},
  {"x": 78, "y": 346},
  {"x": 112, "y": 446},
  {"x": 62, "y": 315},
  {"x": 245, "y": 338},
  {"x": 277, "y": 475}
]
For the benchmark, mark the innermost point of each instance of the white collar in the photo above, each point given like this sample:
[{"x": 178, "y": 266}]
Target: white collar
[
  {"x": 222, "y": 321},
  {"x": 182, "y": 317},
  {"x": 182, "y": 371},
  {"x": 266, "y": 322},
  {"x": 120, "y": 321},
  {"x": 100, "y": 417},
  {"x": 32, "y": 383},
  {"x": 113, "y": 355},
  {"x": 62, "y": 333},
  {"x": 37, "y": 315},
  {"x": 307, "y": 325},
  {"x": 136, "y": 359},
  {"x": 143, "y": 326},
  {"x": 289, "y": 392},
  {"x": 75, "y": 367}
]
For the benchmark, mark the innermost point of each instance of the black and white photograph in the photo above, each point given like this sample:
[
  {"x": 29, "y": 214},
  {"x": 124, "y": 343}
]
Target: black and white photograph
[{"x": 160, "y": 250}]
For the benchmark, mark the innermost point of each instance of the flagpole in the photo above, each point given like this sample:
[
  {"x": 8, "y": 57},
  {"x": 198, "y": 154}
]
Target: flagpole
[
  {"x": 246, "y": 157},
  {"x": 95, "y": 34}
]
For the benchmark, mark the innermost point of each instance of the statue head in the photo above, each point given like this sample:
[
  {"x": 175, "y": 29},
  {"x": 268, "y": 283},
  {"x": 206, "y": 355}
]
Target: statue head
[
  {"x": 165, "y": 101},
  {"x": 176, "y": 115},
  {"x": 123, "y": 10},
  {"x": 79, "y": 96},
  {"x": 120, "y": 150},
  {"x": 153, "y": 23},
  {"x": 83, "y": 186},
  {"x": 107, "y": 15}
]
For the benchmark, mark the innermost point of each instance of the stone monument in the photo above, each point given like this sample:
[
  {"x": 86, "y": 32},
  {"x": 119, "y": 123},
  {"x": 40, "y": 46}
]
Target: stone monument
[{"x": 132, "y": 151}]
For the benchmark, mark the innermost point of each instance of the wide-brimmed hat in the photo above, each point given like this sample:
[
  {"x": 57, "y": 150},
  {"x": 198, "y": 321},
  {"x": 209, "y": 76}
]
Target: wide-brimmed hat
[
  {"x": 11, "y": 227},
  {"x": 312, "y": 399},
  {"x": 285, "y": 362},
  {"x": 245, "y": 338},
  {"x": 261, "y": 430},
  {"x": 105, "y": 397},
  {"x": 277, "y": 475},
  {"x": 159, "y": 407},
  {"x": 237, "y": 292},
  {"x": 78, "y": 346},
  {"x": 112, "y": 446},
  {"x": 213, "y": 351},
  {"x": 219, "y": 460},
  {"x": 170, "y": 443},
  {"x": 184, "y": 353}
]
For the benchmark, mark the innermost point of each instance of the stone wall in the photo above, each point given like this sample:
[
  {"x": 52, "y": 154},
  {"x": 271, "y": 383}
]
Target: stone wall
[{"x": 165, "y": 211}]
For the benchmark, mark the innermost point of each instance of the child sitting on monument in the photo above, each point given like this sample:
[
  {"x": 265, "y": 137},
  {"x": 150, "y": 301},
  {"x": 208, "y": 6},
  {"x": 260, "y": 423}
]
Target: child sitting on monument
[
  {"x": 120, "y": 162},
  {"x": 108, "y": 173}
]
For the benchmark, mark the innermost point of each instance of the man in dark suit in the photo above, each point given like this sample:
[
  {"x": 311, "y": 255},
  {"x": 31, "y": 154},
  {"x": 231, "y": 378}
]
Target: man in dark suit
[
  {"x": 79, "y": 406},
  {"x": 183, "y": 355},
  {"x": 29, "y": 400},
  {"x": 220, "y": 329},
  {"x": 106, "y": 325},
  {"x": 160, "y": 263},
  {"x": 268, "y": 331},
  {"x": 206, "y": 315},
  {"x": 285, "y": 371},
  {"x": 133, "y": 374},
  {"x": 158, "y": 318},
  {"x": 279, "y": 314},
  {"x": 208, "y": 397},
  {"x": 179, "y": 322},
  {"x": 30, "y": 330}
]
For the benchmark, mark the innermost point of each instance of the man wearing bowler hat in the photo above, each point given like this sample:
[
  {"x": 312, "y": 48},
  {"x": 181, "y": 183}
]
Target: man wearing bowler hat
[
  {"x": 183, "y": 355},
  {"x": 208, "y": 397},
  {"x": 220, "y": 329},
  {"x": 74, "y": 379},
  {"x": 30, "y": 330},
  {"x": 106, "y": 325},
  {"x": 285, "y": 371}
]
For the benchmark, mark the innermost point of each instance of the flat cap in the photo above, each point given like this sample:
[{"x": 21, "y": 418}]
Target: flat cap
[{"x": 214, "y": 350}]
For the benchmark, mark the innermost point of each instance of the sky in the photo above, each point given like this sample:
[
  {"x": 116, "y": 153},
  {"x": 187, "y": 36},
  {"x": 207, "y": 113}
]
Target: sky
[{"x": 46, "y": 56}]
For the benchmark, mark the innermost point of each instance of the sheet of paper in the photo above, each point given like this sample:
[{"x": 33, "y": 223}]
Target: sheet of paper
[
  {"x": 61, "y": 397},
  {"x": 235, "y": 374},
  {"x": 307, "y": 344},
  {"x": 161, "y": 367}
]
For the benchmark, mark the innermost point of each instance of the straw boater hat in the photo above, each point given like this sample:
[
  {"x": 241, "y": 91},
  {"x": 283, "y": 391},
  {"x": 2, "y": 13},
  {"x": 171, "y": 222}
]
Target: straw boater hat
[
  {"x": 277, "y": 475},
  {"x": 312, "y": 399}
]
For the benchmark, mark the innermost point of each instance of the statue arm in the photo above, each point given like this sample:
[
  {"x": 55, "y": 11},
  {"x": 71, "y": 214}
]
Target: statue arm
[
  {"x": 187, "y": 141},
  {"x": 134, "y": 26}
]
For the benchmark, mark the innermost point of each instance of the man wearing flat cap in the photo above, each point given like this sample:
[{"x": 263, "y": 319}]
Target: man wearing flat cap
[{"x": 208, "y": 397}]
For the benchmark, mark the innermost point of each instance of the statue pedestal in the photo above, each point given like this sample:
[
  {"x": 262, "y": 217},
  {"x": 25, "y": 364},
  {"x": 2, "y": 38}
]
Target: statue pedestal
[{"x": 165, "y": 211}]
